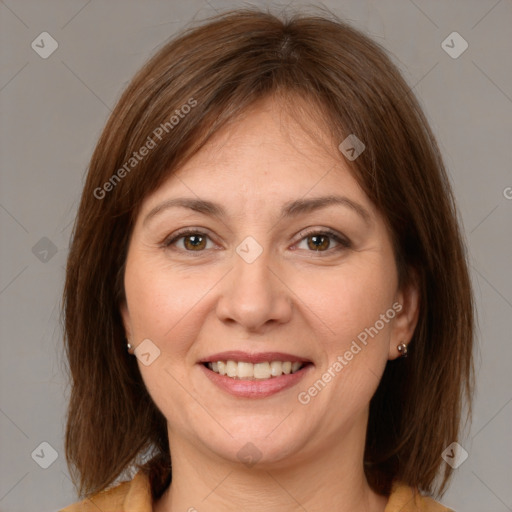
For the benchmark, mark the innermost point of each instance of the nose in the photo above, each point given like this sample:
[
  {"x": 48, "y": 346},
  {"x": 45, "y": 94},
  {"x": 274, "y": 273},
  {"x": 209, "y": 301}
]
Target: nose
[{"x": 254, "y": 295}]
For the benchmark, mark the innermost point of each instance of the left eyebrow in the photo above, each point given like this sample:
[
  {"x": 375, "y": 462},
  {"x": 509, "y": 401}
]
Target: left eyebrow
[{"x": 301, "y": 206}]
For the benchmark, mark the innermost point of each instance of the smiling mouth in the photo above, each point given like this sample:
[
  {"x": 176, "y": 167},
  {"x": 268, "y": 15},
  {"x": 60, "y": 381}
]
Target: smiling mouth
[{"x": 242, "y": 370}]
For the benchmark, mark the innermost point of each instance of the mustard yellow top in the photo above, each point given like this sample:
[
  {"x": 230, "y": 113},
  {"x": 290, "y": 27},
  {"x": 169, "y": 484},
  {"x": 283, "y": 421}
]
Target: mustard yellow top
[{"x": 135, "y": 496}]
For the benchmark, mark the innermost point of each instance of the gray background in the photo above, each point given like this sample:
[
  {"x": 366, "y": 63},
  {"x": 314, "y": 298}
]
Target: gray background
[{"x": 53, "y": 110}]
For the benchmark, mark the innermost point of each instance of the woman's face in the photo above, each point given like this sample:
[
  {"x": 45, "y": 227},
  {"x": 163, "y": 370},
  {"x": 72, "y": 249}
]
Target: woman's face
[{"x": 266, "y": 271}]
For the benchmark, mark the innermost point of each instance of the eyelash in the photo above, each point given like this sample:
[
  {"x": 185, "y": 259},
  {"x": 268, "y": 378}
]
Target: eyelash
[{"x": 343, "y": 243}]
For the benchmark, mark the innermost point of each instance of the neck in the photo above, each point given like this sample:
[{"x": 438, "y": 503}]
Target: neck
[{"x": 328, "y": 479}]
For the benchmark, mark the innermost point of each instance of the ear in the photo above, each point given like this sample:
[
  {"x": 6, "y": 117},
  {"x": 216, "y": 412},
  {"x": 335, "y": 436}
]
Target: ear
[{"x": 407, "y": 306}]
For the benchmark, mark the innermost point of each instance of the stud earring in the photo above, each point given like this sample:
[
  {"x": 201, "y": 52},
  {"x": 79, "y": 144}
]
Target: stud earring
[
  {"x": 402, "y": 348},
  {"x": 129, "y": 347}
]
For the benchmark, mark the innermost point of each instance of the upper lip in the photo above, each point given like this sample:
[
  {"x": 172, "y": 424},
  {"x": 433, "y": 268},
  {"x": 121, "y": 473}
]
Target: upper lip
[{"x": 261, "y": 357}]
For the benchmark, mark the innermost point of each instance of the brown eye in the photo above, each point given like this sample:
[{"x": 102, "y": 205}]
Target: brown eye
[
  {"x": 321, "y": 241},
  {"x": 318, "y": 242},
  {"x": 193, "y": 241}
]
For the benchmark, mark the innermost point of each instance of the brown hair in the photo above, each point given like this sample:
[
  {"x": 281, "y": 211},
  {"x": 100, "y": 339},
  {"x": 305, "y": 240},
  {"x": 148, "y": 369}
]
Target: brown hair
[{"x": 219, "y": 69}]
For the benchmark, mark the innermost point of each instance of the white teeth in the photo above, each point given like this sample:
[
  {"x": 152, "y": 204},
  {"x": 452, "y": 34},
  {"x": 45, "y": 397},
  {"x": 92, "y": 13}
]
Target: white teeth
[
  {"x": 231, "y": 369},
  {"x": 295, "y": 366},
  {"x": 262, "y": 370},
  {"x": 244, "y": 370},
  {"x": 276, "y": 368},
  {"x": 250, "y": 371}
]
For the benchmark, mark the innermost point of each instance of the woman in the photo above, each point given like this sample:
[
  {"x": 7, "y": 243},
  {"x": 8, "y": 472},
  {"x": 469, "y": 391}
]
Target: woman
[{"x": 267, "y": 301}]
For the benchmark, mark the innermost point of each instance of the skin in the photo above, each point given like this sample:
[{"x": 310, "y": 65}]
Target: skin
[{"x": 192, "y": 303}]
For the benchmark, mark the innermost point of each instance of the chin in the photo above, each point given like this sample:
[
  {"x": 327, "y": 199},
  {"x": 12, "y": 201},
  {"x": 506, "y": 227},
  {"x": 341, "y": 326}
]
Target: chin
[{"x": 259, "y": 445}]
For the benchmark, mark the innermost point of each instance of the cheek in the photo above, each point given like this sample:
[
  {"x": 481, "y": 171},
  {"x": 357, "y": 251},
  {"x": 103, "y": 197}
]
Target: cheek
[
  {"x": 355, "y": 351},
  {"x": 160, "y": 299},
  {"x": 163, "y": 306},
  {"x": 351, "y": 298}
]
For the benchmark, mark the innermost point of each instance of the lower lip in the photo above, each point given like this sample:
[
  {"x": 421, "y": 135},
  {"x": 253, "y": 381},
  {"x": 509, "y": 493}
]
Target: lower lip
[{"x": 256, "y": 388}]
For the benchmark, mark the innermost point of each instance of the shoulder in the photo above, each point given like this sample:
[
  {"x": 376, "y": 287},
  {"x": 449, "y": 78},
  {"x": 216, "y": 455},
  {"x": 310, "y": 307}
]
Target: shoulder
[
  {"x": 126, "y": 496},
  {"x": 406, "y": 499},
  {"x": 136, "y": 495}
]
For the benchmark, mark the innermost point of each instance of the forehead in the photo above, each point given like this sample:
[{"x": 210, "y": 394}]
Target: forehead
[{"x": 262, "y": 158}]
